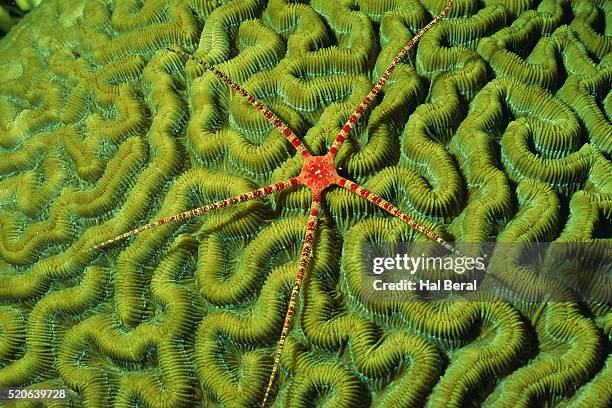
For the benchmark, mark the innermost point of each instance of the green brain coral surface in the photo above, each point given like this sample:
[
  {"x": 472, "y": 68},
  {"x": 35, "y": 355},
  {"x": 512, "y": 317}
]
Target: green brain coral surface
[{"x": 497, "y": 127}]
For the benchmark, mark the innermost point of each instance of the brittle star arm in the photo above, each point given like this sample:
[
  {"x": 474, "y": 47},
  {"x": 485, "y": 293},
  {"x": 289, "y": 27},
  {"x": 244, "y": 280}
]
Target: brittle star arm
[
  {"x": 393, "y": 210},
  {"x": 295, "y": 292},
  {"x": 278, "y": 123},
  {"x": 359, "y": 112},
  {"x": 260, "y": 192}
]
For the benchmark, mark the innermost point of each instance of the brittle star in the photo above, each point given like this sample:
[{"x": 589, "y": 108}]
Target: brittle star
[{"x": 318, "y": 173}]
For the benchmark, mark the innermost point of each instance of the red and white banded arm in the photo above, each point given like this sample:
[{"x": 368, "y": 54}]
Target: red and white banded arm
[
  {"x": 278, "y": 123},
  {"x": 360, "y": 111},
  {"x": 260, "y": 192},
  {"x": 295, "y": 292},
  {"x": 393, "y": 210}
]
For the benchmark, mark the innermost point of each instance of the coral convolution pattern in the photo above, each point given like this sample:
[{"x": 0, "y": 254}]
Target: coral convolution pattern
[{"x": 496, "y": 126}]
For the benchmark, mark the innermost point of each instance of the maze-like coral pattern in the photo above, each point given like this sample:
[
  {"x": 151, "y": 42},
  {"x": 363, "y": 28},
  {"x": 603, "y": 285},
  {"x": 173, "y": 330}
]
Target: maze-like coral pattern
[{"x": 496, "y": 128}]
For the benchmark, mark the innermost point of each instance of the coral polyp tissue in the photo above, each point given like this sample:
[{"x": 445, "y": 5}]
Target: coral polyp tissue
[{"x": 496, "y": 127}]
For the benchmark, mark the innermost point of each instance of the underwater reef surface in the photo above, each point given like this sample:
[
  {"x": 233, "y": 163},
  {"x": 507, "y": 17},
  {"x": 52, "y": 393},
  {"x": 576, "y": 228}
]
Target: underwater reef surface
[
  {"x": 496, "y": 128},
  {"x": 12, "y": 11}
]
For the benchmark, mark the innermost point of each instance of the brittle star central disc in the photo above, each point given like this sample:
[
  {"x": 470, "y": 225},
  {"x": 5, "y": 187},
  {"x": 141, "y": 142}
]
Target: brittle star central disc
[{"x": 318, "y": 173}]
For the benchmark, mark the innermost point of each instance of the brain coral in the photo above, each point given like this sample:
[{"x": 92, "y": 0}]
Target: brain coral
[
  {"x": 495, "y": 128},
  {"x": 10, "y": 14}
]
